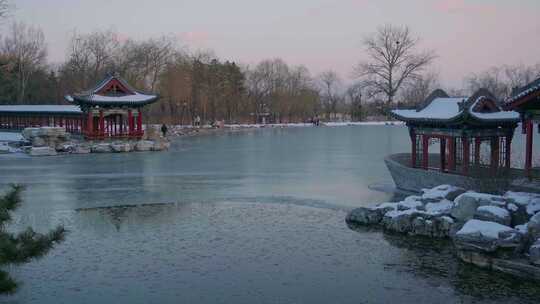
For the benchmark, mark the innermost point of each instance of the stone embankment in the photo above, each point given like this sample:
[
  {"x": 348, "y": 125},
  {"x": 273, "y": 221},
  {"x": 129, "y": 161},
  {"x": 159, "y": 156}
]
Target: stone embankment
[
  {"x": 50, "y": 141},
  {"x": 498, "y": 232}
]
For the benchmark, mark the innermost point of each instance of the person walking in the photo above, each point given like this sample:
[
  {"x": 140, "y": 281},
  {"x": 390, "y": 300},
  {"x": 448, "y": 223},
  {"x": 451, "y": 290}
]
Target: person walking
[{"x": 164, "y": 130}]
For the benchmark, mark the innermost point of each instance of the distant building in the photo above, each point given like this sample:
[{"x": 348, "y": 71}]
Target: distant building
[{"x": 112, "y": 109}]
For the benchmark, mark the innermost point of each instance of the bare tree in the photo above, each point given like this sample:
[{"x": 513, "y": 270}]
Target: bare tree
[
  {"x": 393, "y": 59},
  {"x": 501, "y": 80},
  {"x": 354, "y": 94},
  {"x": 330, "y": 92},
  {"x": 417, "y": 89},
  {"x": 25, "y": 46}
]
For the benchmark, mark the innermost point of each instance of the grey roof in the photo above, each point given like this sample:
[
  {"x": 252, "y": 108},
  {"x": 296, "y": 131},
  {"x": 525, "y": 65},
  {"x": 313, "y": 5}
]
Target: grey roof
[
  {"x": 41, "y": 109},
  {"x": 133, "y": 98},
  {"x": 523, "y": 91}
]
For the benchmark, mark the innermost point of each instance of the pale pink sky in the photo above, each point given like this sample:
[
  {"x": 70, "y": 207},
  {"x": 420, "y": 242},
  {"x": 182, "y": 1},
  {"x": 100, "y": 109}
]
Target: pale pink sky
[{"x": 468, "y": 35}]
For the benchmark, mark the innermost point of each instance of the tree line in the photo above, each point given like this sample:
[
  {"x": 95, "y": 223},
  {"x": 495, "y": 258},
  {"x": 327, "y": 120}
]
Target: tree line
[{"x": 395, "y": 72}]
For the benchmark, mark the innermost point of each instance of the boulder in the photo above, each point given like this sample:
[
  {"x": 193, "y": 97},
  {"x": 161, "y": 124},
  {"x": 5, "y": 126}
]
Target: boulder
[
  {"x": 160, "y": 145},
  {"x": 443, "y": 207},
  {"x": 483, "y": 236},
  {"x": 42, "y": 151},
  {"x": 369, "y": 215},
  {"x": 4, "y": 149},
  {"x": 534, "y": 253},
  {"x": 439, "y": 227},
  {"x": 65, "y": 147},
  {"x": 441, "y": 192},
  {"x": 400, "y": 221},
  {"x": 51, "y": 132},
  {"x": 81, "y": 149},
  {"x": 465, "y": 205},
  {"x": 38, "y": 142},
  {"x": 411, "y": 202},
  {"x": 121, "y": 147},
  {"x": 493, "y": 214},
  {"x": 144, "y": 145},
  {"x": 530, "y": 202},
  {"x": 29, "y": 133},
  {"x": 101, "y": 148},
  {"x": 533, "y": 227}
]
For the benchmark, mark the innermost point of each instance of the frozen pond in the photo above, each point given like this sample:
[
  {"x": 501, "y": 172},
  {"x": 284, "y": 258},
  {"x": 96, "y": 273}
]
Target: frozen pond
[{"x": 252, "y": 217}]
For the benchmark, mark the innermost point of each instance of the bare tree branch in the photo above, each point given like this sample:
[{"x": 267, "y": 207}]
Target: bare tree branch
[{"x": 393, "y": 60}]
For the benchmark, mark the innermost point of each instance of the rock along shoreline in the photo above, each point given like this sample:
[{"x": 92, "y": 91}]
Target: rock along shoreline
[
  {"x": 52, "y": 141},
  {"x": 496, "y": 232}
]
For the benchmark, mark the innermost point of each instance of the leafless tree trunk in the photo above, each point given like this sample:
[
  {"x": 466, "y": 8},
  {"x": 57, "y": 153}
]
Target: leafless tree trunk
[
  {"x": 392, "y": 60},
  {"x": 25, "y": 45}
]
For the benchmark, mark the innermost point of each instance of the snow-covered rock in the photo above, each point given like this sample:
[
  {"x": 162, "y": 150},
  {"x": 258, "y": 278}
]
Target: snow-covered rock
[
  {"x": 432, "y": 227},
  {"x": 411, "y": 202},
  {"x": 161, "y": 145},
  {"x": 441, "y": 192},
  {"x": 101, "y": 148},
  {"x": 4, "y": 149},
  {"x": 465, "y": 205},
  {"x": 442, "y": 207},
  {"x": 534, "y": 253},
  {"x": 493, "y": 214},
  {"x": 529, "y": 201},
  {"x": 400, "y": 221},
  {"x": 370, "y": 216},
  {"x": 42, "y": 151},
  {"x": 121, "y": 147},
  {"x": 30, "y": 133},
  {"x": 81, "y": 149},
  {"x": 477, "y": 235},
  {"x": 144, "y": 145},
  {"x": 533, "y": 227}
]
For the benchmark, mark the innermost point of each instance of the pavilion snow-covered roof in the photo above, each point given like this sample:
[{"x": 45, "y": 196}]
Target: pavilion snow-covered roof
[
  {"x": 40, "y": 109},
  {"x": 128, "y": 97},
  {"x": 442, "y": 109},
  {"x": 523, "y": 95}
]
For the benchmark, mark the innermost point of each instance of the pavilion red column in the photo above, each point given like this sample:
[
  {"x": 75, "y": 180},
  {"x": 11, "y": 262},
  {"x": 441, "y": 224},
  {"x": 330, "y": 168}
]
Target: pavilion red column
[
  {"x": 139, "y": 124},
  {"x": 466, "y": 154},
  {"x": 90, "y": 124},
  {"x": 413, "y": 148},
  {"x": 425, "y": 151},
  {"x": 451, "y": 154},
  {"x": 101, "y": 130},
  {"x": 130, "y": 122},
  {"x": 528, "y": 147},
  {"x": 508, "y": 151},
  {"x": 442, "y": 144},
  {"x": 494, "y": 153}
]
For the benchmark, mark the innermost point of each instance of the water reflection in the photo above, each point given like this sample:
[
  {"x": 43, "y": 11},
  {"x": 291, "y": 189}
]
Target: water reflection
[{"x": 435, "y": 262}]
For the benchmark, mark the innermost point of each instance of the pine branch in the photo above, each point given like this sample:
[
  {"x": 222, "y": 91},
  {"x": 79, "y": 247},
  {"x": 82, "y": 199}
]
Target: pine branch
[{"x": 9, "y": 202}]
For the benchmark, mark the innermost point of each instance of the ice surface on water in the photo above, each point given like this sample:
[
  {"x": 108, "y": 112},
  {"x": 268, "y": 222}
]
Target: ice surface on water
[{"x": 256, "y": 217}]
